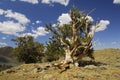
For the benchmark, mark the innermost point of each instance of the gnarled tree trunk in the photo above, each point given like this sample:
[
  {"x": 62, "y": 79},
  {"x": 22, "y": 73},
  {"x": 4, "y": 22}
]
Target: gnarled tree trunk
[{"x": 77, "y": 39}]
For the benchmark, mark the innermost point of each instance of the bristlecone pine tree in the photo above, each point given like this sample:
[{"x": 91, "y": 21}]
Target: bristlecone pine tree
[{"x": 75, "y": 38}]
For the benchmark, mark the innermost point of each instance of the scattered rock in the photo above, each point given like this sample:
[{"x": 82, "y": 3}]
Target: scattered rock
[
  {"x": 97, "y": 75},
  {"x": 24, "y": 70},
  {"x": 47, "y": 66},
  {"x": 76, "y": 64},
  {"x": 91, "y": 67},
  {"x": 117, "y": 65},
  {"x": 117, "y": 57},
  {"x": 18, "y": 68},
  {"x": 10, "y": 71},
  {"x": 80, "y": 76},
  {"x": 116, "y": 75},
  {"x": 47, "y": 76},
  {"x": 71, "y": 65},
  {"x": 37, "y": 70},
  {"x": 35, "y": 77},
  {"x": 65, "y": 68},
  {"x": 103, "y": 67}
]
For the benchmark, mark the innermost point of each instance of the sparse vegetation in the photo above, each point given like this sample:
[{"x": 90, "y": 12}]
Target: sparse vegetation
[{"x": 103, "y": 69}]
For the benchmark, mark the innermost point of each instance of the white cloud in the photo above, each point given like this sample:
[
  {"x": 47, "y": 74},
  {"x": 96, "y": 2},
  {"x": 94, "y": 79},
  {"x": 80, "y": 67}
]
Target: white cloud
[
  {"x": 40, "y": 31},
  {"x": 13, "y": 0},
  {"x": 46, "y": 1},
  {"x": 33, "y": 23},
  {"x": 31, "y": 1},
  {"x": 3, "y": 38},
  {"x": 114, "y": 43},
  {"x": 27, "y": 34},
  {"x": 116, "y": 1},
  {"x": 38, "y": 21},
  {"x": 16, "y": 23},
  {"x": 2, "y": 44},
  {"x": 64, "y": 18},
  {"x": 21, "y": 18},
  {"x": 53, "y": 25},
  {"x": 62, "y": 2},
  {"x": 10, "y": 27},
  {"x": 89, "y": 19},
  {"x": 102, "y": 25},
  {"x": 1, "y": 11}
]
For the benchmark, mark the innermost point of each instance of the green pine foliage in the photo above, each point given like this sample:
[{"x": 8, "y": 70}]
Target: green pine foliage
[
  {"x": 53, "y": 51},
  {"x": 72, "y": 35},
  {"x": 27, "y": 50}
]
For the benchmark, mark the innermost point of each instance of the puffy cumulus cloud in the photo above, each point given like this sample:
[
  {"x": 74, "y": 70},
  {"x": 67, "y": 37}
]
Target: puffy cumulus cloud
[
  {"x": 40, "y": 31},
  {"x": 62, "y": 2},
  {"x": 27, "y": 34},
  {"x": 10, "y": 27},
  {"x": 21, "y": 18},
  {"x": 2, "y": 44},
  {"x": 64, "y": 18},
  {"x": 46, "y": 1},
  {"x": 116, "y": 1},
  {"x": 15, "y": 25},
  {"x": 102, "y": 25},
  {"x": 54, "y": 25},
  {"x": 1, "y": 11},
  {"x": 38, "y": 21},
  {"x": 31, "y": 1},
  {"x": 89, "y": 19},
  {"x": 3, "y": 38}
]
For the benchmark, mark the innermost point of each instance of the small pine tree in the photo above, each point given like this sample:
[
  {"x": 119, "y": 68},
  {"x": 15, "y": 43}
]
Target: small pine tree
[{"x": 27, "y": 50}]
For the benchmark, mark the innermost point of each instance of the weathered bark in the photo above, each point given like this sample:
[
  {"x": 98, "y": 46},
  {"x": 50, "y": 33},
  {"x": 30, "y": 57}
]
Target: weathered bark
[
  {"x": 80, "y": 39},
  {"x": 69, "y": 54}
]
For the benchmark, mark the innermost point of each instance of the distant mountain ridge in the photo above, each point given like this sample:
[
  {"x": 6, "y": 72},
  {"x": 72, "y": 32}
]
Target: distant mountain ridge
[
  {"x": 6, "y": 56},
  {"x": 6, "y": 51}
]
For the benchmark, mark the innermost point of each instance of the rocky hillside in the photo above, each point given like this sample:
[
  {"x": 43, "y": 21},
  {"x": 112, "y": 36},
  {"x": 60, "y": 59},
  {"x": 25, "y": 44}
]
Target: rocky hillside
[{"x": 106, "y": 67}]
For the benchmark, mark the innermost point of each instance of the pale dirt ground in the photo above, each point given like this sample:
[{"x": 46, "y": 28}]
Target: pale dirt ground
[{"x": 107, "y": 67}]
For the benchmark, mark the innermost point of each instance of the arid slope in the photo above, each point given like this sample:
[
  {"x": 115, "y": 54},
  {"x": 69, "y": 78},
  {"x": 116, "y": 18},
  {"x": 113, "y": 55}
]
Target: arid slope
[{"x": 106, "y": 67}]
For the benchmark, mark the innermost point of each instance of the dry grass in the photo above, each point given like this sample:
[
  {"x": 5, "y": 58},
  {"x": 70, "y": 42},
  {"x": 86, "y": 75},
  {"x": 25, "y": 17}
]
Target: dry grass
[{"x": 107, "y": 67}]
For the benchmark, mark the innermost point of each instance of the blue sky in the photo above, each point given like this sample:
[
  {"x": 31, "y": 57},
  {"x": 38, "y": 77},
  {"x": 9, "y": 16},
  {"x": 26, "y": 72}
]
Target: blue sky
[{"x": 20, "y": 17}]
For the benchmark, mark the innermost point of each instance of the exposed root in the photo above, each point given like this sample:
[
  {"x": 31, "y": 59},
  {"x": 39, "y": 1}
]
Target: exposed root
[{"x": 62, "y": 66}]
